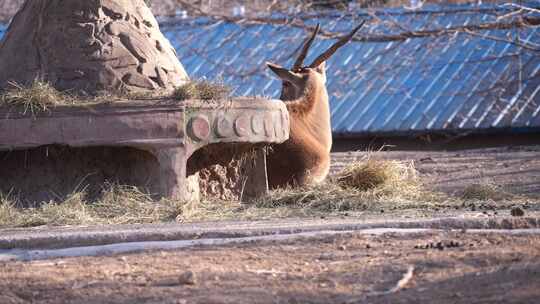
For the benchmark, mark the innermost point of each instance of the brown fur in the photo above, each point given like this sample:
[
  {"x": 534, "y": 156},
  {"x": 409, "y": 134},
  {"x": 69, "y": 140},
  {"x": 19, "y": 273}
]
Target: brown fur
[{"x": 304, "y": 158}]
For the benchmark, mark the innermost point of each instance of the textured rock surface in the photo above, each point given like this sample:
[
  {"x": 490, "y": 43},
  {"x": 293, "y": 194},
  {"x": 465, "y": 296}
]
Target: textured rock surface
[
  {"x": 223, "y": 170},
  {"x": 89, "y": 46}
]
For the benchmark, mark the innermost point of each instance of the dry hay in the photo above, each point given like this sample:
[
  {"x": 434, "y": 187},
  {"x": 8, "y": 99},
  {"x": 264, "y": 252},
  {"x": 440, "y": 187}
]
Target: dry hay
[
  {"x": 371, "y": 174},
  {"x": 42, "y": 96},
  {"x": 485, "y": 192},
  {"x": 118, "y": 205},
  {"x": 218, "y": 210},
  {"x": 202, "y": 90},
  {"x": 37, "y": 97},
  {"x": 360, "y": 186},
  {"x": 398, "y": 188},
  {"x": 370, "y": 185},
  {"x": 127, "y": 204},
  {"x": 9, "y": 214}
]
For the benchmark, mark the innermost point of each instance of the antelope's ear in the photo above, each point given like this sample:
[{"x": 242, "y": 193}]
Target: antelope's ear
[
  {"x": 321, "y": 68},
  {"x": 284, "y": 73}
]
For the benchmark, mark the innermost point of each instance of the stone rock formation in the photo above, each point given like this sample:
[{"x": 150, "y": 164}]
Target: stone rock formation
[
  {"x": 94, "y": 46},
  {"x": 89, "y": 46}
]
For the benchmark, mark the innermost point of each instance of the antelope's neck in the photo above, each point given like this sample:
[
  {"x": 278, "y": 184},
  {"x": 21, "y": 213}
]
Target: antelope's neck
[{"x": 316, "y": 121}]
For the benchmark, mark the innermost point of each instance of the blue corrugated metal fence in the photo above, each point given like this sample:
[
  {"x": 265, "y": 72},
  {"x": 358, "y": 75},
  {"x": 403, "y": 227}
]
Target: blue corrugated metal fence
[{"x": 451, "y": 80}]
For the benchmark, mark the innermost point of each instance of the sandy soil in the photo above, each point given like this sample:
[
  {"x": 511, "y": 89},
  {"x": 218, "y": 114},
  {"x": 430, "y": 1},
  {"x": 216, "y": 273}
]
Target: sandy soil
[
  {"x": 516, "y": 169},
  {"x": 350, "y": 268}
]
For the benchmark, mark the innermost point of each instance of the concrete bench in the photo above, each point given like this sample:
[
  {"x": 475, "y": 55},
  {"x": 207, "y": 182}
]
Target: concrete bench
[{"x": 170, "y": 131}]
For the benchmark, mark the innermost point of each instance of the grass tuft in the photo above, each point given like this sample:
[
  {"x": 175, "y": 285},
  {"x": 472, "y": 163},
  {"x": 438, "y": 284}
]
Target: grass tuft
[
  {"x": 127, "y": 204},
  {"x": 72, "y": 211},
  {"x": 484, "y": 192},
  {"x": 37, "y": 97},
  {"x": 9, "y": 214},
  {"x": 42, "y": 96},
  {"x": 371, "y": 174},
  {"x": 202, "y": 90}
]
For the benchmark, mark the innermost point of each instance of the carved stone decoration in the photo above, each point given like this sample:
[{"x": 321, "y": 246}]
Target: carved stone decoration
[{"x": 88, "y": 46}]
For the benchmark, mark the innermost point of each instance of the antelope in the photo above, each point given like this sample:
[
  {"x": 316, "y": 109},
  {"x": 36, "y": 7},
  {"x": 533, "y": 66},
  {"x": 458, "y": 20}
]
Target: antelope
[{"x": 305, "y": 157}]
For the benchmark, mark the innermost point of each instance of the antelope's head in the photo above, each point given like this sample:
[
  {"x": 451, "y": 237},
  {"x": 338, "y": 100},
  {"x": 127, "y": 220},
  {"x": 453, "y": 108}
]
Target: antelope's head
[{"x": 299, "y": 78}]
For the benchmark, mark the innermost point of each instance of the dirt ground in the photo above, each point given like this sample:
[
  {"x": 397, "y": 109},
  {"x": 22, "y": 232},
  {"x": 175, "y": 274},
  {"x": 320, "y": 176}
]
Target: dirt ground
[
  {"x": 441, "y": 267},
  {"x": 350, "y": 268},
  {"x": 515, "y": 169}
]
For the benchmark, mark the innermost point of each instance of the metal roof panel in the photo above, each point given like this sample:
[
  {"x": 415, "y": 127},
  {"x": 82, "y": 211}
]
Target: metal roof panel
[{"x": 452, "y": 81}]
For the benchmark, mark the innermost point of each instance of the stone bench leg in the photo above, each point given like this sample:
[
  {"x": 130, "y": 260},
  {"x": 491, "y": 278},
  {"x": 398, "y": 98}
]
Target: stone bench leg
[{"x": 172, "y": 163}]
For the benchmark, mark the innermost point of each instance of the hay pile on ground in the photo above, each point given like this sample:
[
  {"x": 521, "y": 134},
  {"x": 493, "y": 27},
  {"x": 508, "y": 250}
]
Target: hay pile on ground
[
  {"x": 118, "y": 205},
  {"x": 485, "y": 191},
  {"x": 370, "y": 185},
  {"x": 372, "y": 174},
  {"x": 360, "y": 186}
]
